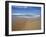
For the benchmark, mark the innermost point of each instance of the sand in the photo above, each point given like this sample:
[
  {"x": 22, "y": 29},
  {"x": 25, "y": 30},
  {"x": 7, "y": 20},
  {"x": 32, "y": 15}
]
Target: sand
[{"x": 19, "y": 23}]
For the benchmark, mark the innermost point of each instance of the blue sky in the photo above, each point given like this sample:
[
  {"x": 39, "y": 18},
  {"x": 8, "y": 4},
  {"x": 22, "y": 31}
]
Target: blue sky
[{"x": 26, "y": 10}]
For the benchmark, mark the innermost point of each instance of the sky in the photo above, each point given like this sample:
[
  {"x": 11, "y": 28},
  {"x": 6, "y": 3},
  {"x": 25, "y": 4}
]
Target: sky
[{"x": 26, "y": 10}]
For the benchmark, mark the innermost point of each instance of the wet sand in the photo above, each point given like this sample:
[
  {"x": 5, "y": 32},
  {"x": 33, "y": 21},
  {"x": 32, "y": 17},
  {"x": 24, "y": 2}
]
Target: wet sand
[{"x": 19, "y": 23}]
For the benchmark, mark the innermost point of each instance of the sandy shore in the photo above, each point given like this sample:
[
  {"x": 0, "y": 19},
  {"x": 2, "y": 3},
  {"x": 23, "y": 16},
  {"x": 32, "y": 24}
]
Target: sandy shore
[{"x": 19, "y": 23}]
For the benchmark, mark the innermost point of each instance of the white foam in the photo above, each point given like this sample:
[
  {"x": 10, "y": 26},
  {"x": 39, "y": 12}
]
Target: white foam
[{"x": 29, "y": 16}]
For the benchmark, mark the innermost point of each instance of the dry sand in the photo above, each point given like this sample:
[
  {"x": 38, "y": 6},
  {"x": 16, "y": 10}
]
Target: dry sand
[{"x": 19, "y": 23}]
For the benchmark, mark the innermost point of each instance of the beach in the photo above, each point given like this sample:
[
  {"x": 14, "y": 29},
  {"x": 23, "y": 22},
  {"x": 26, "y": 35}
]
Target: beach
[{"x": 20, "y": 23}]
